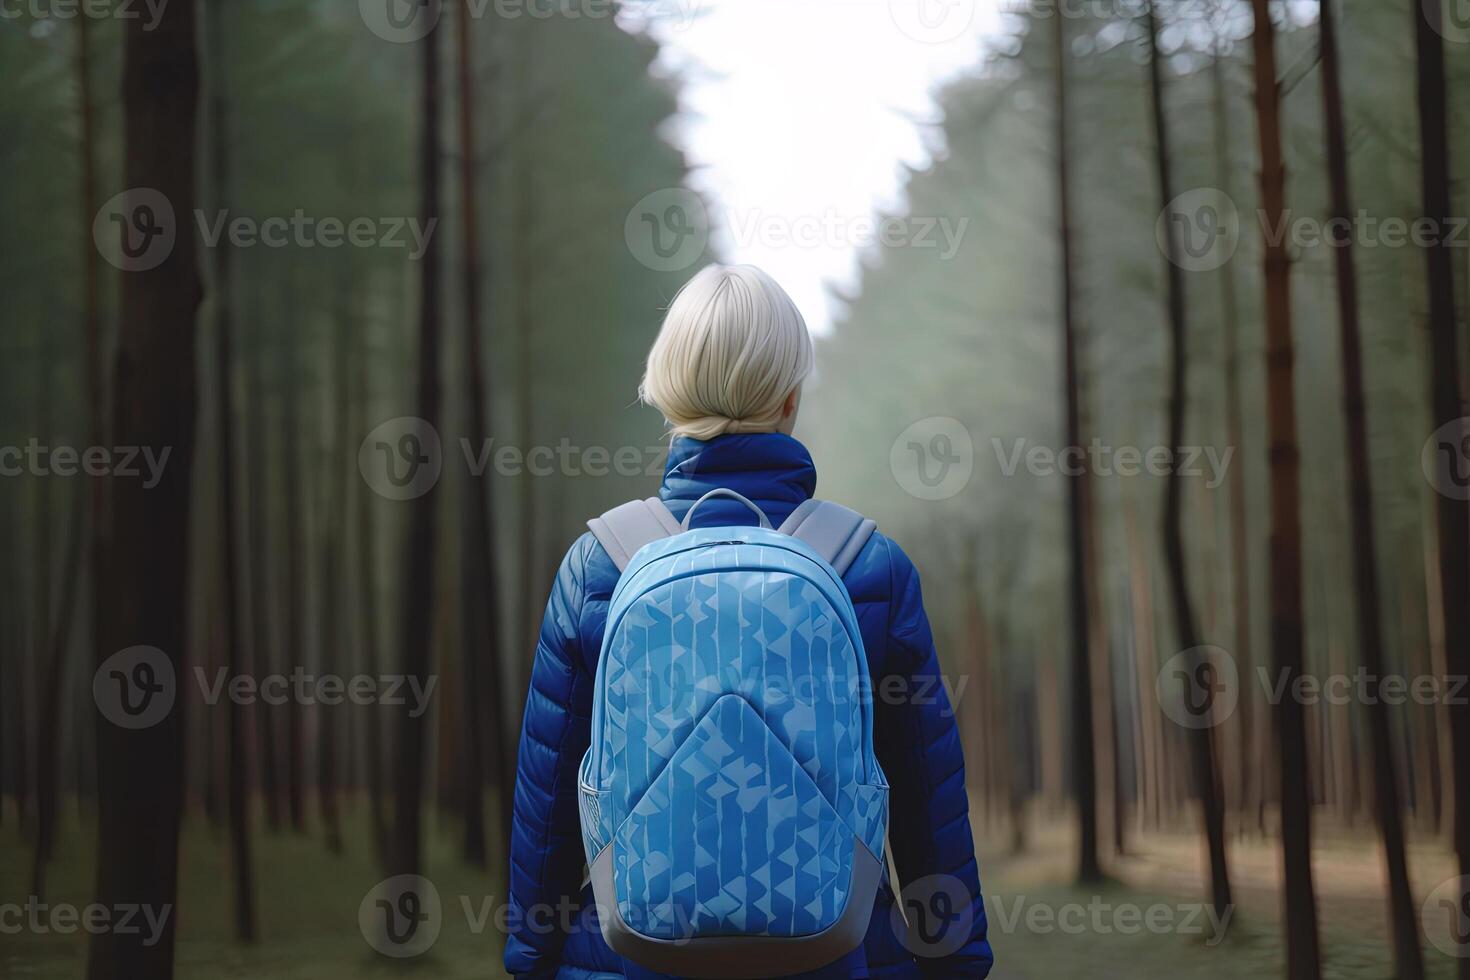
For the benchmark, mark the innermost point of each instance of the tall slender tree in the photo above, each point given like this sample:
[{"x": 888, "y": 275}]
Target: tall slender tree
[
  {"x": 140, "y": 771},
  {"x": 1240, "y": 591},
  {"x": 335, "y": 531},
  {"x": 34, "y": 659},
  {"x": 235, "y": 646},
  {"x": 484, "y": 679},
  {"x": 294, "y": 545},
  {"x": 1202, "y": 740},
  {"x": 87, "y": 516},
  {"x": 260, "y": 597},
  {"x": 1408, "y": 959},
  {"x": 418, "y": 583},
  {"x": 1084, "y": 767},
  {"x": 1303, "y": 956},
  {"x": 367, "y": 536},
  {"x": 1446, "y": 399}
]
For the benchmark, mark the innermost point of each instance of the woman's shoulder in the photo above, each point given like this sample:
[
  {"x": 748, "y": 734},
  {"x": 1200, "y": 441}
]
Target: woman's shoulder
[
  {"x": 882, "y": 570},
  {"x": 588, "y": 566}
]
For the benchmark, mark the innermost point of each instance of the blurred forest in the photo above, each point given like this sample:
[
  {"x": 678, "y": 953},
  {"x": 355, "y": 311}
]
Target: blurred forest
[{"x": 1072, "y": 312}]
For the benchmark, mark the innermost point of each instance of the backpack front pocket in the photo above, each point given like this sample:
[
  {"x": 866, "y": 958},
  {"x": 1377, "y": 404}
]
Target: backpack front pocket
[{"x": 732, "y": 838}]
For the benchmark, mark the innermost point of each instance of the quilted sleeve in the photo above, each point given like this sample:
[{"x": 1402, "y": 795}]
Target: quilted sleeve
[
  {"x": 546, "y": 849},
  {"x": 918, "y": 746}
]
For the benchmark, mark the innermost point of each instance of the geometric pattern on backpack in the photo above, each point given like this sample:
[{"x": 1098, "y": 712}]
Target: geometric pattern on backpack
[{"x": 731, "y": 763}]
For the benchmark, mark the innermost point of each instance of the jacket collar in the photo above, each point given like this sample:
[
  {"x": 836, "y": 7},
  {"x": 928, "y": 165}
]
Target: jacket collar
[{"x": 773, "y": 470}]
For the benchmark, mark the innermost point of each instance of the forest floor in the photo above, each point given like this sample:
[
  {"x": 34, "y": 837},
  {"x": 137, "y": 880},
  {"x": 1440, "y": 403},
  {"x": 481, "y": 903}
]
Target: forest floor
[
  {"x": 1167, "y": 872},
  {"x": 1042, "y": 926}
]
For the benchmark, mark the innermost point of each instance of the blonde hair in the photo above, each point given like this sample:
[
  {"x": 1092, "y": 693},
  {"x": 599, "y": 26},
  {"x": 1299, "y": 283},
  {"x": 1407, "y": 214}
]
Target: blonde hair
[{"x": 732, "y": 348}]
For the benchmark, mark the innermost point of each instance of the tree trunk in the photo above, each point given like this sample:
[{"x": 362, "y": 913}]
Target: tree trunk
[
  {"x": 523, "y": 273},
  {"x": 1303, "y": 956},
  {"x": 484, "y": 679},
  {"x": 8, "y": 643},
  {"x": 1099, "y": 641},
  {"x": 294, "y": 500},
  {"x": 333, "y": 609},
  {"x": 418, "y": 582},
  {"x": 260, "y": 604},
  {"x": 34, "y": 660},
  {"x": 1147, "y": 720},
  {"x": 1202, "y": 739},
  {"x": 235, "y": 646},
  {"x": 1435, "y": 620},
  {"x": 86, "y": 518},
  {"x": 141, "y": 771},
  {"x": 1446, "y": 400},
  {"x": 48, "y": 725},
  {"x": 1408, "y": 958},
  {"x": 368, "y": 616},
  {"x": 1247, "y": 790},
  {"x": 1084, "y": 768}
]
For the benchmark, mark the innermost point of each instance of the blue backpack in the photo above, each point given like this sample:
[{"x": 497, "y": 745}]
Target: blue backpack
[{"x": 733, "y": 812}]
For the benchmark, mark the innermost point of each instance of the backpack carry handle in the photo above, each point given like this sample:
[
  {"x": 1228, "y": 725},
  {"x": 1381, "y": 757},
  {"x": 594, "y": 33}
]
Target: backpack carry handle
[{"x": 726, "y": 492}]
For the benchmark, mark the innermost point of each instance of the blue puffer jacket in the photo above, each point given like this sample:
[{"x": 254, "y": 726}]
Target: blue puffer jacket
[{"x": 556, "y": 933}]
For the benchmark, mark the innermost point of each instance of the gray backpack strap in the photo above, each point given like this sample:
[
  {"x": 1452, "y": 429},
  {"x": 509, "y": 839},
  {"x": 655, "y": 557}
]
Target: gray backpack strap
[
  {"x": 626, "y": 528},
  {"x": 833, "y": 531}
]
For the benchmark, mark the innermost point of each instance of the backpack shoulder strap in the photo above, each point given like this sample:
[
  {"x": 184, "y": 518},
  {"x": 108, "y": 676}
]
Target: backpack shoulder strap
[
  {"x": 835, "y": 532},
  {"x": 628, "y": 527}
]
